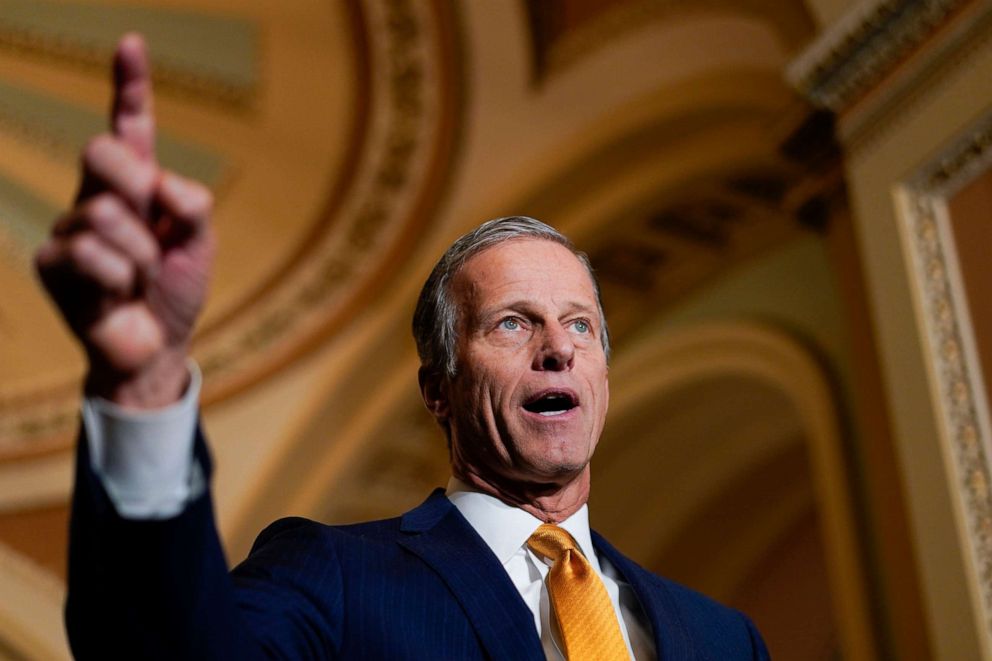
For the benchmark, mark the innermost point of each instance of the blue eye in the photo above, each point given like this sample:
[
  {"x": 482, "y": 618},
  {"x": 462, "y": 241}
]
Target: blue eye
[
  {"x": 510, "y": 324},
  {"x": 581, "y": 326}
]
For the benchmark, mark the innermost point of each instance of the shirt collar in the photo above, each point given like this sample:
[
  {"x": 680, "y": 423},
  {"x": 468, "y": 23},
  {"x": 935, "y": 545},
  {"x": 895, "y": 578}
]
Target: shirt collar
[{"x": 505, "y": 528}]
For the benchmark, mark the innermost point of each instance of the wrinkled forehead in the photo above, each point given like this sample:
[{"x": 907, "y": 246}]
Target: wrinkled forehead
[{"x": 521, "y": 269}]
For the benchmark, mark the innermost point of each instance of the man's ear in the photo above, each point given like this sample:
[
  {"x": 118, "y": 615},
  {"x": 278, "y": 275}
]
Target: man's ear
[{"x": 434, "y": 390}]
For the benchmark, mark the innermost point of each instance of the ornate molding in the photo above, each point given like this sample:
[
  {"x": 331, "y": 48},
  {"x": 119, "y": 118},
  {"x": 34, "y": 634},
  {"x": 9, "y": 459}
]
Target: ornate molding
[
  {"x": 866, "y": 44},
  {"x": 380, "y": 209},
  {"x": 963, "y": 415},
  {"x": 371, "y": 218},
  {"x": 968, "y": 157}
]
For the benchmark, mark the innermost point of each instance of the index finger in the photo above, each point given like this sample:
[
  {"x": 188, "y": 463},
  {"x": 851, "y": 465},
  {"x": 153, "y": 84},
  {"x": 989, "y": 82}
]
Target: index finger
[{"x": 132, "y": 117}]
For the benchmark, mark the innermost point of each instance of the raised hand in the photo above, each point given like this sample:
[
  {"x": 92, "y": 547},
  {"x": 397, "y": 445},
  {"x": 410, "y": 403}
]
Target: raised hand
[{"x": 128, "y": 265}]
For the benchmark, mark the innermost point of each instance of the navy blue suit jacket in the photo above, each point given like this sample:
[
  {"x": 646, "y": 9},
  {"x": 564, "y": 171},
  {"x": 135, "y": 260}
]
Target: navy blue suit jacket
[{"x": 420, "y": 586}]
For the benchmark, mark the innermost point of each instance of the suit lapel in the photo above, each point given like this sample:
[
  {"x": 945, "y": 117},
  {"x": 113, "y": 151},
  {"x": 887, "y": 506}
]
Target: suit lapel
[
  {"x": 440, "y": 536},
  {"x": 671, "y": 640}
]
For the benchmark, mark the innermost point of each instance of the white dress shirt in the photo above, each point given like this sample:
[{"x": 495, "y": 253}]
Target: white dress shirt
[
  {"x": 145, "y": 462},
  {"x": 505, "y": 529}
]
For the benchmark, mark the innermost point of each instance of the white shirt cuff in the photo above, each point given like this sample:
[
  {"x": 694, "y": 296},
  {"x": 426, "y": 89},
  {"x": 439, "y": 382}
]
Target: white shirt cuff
[{"x": 145, "y": 460}]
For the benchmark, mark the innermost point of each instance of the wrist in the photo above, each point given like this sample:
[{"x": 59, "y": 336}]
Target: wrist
[{"x": 158, "y": 384}]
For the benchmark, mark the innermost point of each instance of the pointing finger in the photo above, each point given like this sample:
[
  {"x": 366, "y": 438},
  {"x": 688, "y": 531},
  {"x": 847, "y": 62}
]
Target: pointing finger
[{"x": 132, "y": 117}]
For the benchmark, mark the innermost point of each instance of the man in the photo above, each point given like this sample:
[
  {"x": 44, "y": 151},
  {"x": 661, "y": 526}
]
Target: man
[{"x": 514, "y": 347}]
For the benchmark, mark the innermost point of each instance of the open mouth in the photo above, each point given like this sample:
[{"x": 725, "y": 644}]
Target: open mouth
[{"x": 552, "y": 402}]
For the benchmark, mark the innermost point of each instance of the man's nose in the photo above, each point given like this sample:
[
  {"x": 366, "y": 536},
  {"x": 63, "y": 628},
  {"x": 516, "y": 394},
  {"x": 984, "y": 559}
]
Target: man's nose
[{"x": 557, "y": 350}]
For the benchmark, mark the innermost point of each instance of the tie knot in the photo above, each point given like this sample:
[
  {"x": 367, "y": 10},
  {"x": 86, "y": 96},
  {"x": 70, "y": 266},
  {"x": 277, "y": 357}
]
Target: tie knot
[{"x": 551, "y": 541}]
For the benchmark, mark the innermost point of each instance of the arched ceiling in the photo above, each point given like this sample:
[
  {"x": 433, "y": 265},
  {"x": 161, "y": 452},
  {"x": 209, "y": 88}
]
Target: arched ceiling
[
  {"x": 324, "y": 129},
  {"x": 328, "y": 133}
]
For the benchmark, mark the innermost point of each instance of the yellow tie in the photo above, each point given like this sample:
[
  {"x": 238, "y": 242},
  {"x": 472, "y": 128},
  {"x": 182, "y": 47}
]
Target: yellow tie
[{"x": 586, "y": 620}]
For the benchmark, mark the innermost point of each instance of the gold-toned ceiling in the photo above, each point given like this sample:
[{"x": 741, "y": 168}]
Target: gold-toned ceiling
[
  {"x": 564, "y": 31},
  {"x": 328, "y": 132},
  {"x": 325, "y": 142}
]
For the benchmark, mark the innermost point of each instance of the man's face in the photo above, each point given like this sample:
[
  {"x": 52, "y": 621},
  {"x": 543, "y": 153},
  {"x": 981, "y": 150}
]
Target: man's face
[{"x": 530, "y": 395}]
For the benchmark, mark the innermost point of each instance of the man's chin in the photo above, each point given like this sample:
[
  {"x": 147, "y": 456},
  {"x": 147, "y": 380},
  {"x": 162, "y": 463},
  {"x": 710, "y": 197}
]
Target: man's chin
[{"x": 556, "y": 470}]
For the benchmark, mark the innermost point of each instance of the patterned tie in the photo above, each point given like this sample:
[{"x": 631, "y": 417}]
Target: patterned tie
[{"x": 586, "y": 620}]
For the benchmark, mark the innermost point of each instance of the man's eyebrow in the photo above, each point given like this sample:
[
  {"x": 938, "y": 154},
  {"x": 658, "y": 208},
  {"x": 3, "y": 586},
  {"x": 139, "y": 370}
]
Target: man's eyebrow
[
  {"x": 525, "y": 306},
  {"x": 577, "y": 306},
  {"x": 501, "y": 308}
]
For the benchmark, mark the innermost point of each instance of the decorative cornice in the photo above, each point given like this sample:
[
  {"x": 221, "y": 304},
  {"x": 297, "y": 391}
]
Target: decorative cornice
[
  {"x": 963, "y": 411},
  {"x": 962, "y": 162},
  {"x": 864, "y": 46},
  {"x": 403, "y": 142},
  {"x": 405, "y": 126}
]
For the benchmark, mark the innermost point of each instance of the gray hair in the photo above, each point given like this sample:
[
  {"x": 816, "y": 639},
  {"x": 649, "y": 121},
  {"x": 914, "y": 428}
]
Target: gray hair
[{"x": 436, "y": 318}]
